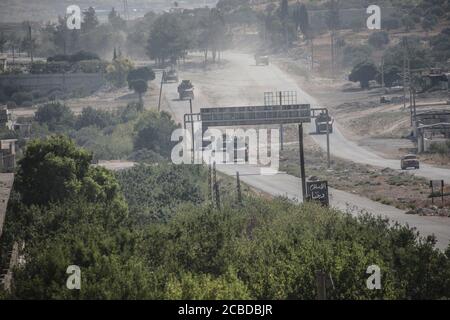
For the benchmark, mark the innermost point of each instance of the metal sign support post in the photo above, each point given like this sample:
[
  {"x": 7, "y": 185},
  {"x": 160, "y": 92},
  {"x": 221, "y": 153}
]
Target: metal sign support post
[
  {"x": 281, "y": 125},
  {"x": 328, "y": 142},
  {"x": 302, "y": 161}
]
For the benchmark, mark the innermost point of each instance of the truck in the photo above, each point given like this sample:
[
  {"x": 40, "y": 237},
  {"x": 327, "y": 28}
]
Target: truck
[
  {"x": 186, "y": 90},
  {"x": 237, "y": 152},
  {"x": 321, "y": 123},
  {"x": 261, "y": 60}
]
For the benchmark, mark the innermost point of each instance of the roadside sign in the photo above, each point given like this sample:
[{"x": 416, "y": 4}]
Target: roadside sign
[
  {"x": 318, "y": 191},
  {"x": 255, "y": 115},
  {"x": 439, "y": 185}
]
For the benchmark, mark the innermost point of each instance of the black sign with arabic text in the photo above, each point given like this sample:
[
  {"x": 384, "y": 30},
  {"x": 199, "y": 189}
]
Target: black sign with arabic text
[{"x": 318, "y": 191}]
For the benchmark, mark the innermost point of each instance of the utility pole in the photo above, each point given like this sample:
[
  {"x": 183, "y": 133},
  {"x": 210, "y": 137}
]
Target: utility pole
[
  {"x": 382, "y": 74},
  {"x": 238, "y": 188},
  {"x": 332, "y": 54},
  {"x": 31, "y": 42},
  {"x": 405, "y": 69},
  {"x": 302, "y": 161},
  {"x": 328, "y": 140},
  {"x": 160, "y": 90}
]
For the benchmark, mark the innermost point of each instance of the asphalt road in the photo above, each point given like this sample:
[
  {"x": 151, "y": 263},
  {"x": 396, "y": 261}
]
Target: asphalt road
[{"x": 240, "y": 82}]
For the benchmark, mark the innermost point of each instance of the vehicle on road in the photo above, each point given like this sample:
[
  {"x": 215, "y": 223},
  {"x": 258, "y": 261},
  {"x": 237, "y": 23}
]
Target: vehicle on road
[
  {"x": 171, "y": 76},
  {"x": 186, "y": 90},
  {"x": 321, "y": 123},
  {"x": 409, "y": 161},
  {"x": 261, "y": 60},
  {"x": 232, "y": 151}
]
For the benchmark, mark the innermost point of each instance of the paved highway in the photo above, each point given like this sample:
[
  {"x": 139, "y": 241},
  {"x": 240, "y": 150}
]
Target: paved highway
[{"x": 240, "y": 82}]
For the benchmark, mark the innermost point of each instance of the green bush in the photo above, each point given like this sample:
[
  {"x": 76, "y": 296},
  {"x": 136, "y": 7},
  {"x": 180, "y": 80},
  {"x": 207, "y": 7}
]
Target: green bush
[
  {"x": 440, "y": 148},
  {"x": 154, "y": 133},
  {"x": 57, "y": 116}
]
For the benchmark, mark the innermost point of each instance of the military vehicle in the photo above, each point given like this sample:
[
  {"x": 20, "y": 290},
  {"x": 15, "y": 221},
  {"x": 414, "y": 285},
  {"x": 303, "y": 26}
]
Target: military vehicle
[
  {"x": 409, "y": 161},
  {"x": 261, "y": 60},
  {"x": 321, "y": 123},
  {"x": 170, "y": 76},
  {"x": 186, "y": 90}
]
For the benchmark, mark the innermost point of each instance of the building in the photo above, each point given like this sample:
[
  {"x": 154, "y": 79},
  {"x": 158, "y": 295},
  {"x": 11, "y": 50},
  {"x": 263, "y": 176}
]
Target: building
[
  {"x": 5, "y": 118},
  {"x": 24, "y": 129},
  {"x": 8, "y": 155}
]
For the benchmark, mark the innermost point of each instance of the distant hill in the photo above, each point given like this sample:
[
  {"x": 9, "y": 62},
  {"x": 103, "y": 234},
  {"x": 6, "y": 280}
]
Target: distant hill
[{"x": 48, "y": 10}]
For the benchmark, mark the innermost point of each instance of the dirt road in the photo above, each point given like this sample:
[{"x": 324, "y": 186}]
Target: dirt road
[{"x": 240, "y": 82}]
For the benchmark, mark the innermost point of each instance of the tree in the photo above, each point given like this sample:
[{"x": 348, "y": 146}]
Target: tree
[
  {"x": 90, "y": 20},
  {"x": 392, "y": 75},
  {"x": 3, "y": 41},
  {"x": 363, "y": 73},
  {"x": 93, "y": 117},
  {"x": 429, "y": 22},
  {"x": 168, "y": 39},
  {"x": 138, "y": 78},
  {"x": 117, "y": 72},
  {"x": 284, "y": 16},
  {"x": 116, "y": 20},
  {"x": 408, "y": 22},
  {"x": 144, "y": 73},
  {"x": 301, "y": 19},
  {"x": 333, "y": 17},
  {"x": 379, "y": 39},
  {"x": 140, "y": 86},
  {"x": 154, "y": 132},
  {"x": 51, "y": 170},
  {"x": 55, "y": 115}
]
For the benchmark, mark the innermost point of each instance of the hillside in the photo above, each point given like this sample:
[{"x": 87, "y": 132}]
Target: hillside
[{"x": 43, "y": 10}]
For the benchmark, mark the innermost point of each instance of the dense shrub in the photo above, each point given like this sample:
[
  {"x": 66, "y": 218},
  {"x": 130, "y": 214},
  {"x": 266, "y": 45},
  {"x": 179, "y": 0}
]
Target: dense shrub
[
  {"x": 55, "y": 115},
  {"x": 21, "y": 96},
  {"x": 94, "y": 117},
  {"x": 260, "y": 249},
  {"x": 379, "y": 39},
  {"x": 154, "y": 133}
]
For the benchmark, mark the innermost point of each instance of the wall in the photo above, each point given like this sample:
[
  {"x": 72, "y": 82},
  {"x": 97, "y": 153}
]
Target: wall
[{"x": 48, "y": 82}]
